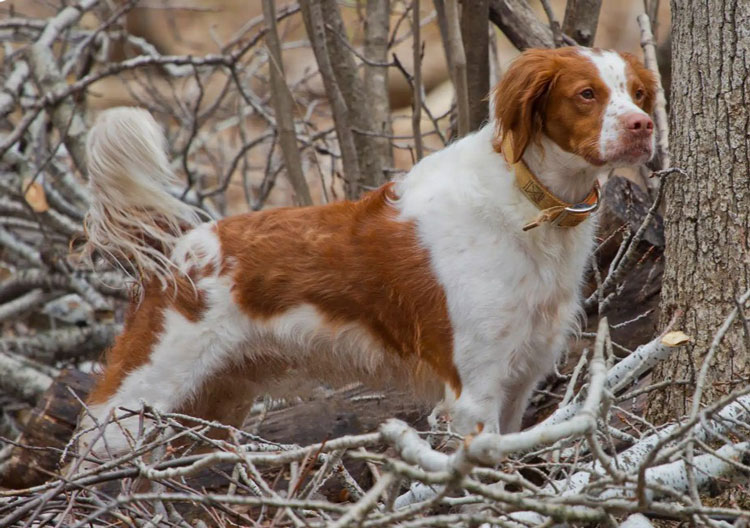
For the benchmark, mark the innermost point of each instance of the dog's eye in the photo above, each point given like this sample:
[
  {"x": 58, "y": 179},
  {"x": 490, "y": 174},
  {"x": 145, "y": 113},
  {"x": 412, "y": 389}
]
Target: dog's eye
[
  {"x": 587, "y": 94},
  {"x": 639, "y": 94}
]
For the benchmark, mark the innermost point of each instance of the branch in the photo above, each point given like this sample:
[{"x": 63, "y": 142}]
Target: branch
[
  {"x": 366, "y": 503},
  {"x": 22, "y": 304},
  {"x": 48, "y": 76},
  {"x": 455, "y": 46},
  {"x": 660, "y": 106},
  {"x": 630, "y": 368},
  {"x": 416, "y": 106},
  {"x": 377, "y": 22},
  {"x": 13, "y": 85},
  {"x": 64, "y": 344},
  {"x": 21, "y": 379},
  {"x": 315, "y": 25},
  {"x": 553, "y": 24},
  {"x": 283, "y": 104},
  {"x": 519, "y": 23}
]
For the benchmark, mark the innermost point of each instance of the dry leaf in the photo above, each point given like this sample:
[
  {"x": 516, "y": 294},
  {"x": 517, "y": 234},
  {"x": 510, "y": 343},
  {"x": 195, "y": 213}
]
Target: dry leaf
[
  {"x": 36, "y": 198},
  {"x": 676, "y": 338}
]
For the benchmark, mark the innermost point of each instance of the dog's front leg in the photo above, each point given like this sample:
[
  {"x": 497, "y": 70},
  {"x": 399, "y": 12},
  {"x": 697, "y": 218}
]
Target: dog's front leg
[
  {"x": 481, "y": 369},
  {"x": 516, "y": 399}
]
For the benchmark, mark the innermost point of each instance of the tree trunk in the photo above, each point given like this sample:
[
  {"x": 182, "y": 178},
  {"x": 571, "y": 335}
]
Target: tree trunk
[
  {"x": 581, "y": 19},
  {"x": 475, "y": 35},
  {"x": 377, "y": 25},
  {"x": 369, "y": 151},
  {"x": 708, "y": 211}
]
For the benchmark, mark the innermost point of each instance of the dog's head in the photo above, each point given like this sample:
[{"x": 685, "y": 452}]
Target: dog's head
[{"x": 593, "y": 103}]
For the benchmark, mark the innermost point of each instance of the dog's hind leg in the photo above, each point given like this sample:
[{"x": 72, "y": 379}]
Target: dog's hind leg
[{"x": 166, "y": 358}]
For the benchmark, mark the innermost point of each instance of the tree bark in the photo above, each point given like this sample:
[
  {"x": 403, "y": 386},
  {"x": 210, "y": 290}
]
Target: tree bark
[
  {"x": 519, "y": 23},
  {"x": 377, "y": 23},
  {"x": 474, "y": 24},
  {"x": 581, "y": 19},
  {"x": 352, "y": 88},
  {"x": 283, "y": 105},
  {"x": 315, "y": 25},
  {"x": 708, "y": 211}
]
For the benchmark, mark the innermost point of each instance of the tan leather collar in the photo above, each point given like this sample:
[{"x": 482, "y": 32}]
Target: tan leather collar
[{"x": 551, "y": 208}]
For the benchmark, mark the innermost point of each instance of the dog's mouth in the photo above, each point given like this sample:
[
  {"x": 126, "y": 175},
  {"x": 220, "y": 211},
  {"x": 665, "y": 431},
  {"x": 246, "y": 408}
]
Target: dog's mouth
[{"x": 632, "y": 153}]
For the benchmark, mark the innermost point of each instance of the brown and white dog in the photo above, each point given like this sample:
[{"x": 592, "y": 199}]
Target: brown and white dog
[{"x": 436, "y": 282}]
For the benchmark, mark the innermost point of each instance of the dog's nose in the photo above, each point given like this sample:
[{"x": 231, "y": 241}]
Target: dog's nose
[{"x": 639, "y": 124}]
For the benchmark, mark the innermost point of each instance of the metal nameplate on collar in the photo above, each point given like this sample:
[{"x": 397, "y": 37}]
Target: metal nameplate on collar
[{"x": 581, "y": 208}]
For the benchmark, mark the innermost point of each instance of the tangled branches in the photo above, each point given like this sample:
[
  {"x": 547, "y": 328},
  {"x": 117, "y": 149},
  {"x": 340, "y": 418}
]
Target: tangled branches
[{"x": 572, "y": 467}]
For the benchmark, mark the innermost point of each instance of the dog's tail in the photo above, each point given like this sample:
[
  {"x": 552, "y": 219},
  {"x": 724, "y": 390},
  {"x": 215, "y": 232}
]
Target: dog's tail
[{"x": 133, "y": 220}]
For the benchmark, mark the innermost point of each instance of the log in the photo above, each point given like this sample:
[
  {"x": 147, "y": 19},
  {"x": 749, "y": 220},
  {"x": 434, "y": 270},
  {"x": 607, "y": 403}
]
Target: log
[
  {"x": 349, "y": 412},
  {"x": 48, "y": 430},
  {"x": 353, "y": 411}
]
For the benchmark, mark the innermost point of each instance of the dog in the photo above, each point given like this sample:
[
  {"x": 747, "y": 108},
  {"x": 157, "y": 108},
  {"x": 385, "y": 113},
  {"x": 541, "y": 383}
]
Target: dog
[{"x": 460, "y": 281}]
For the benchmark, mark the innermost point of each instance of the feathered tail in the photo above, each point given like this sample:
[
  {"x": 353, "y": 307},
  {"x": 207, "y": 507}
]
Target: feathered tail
[{"x": 133, "y": 220}]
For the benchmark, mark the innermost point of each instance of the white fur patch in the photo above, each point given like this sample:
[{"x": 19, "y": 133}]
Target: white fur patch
[
  {"x": 199, "y": 248},
  {"x": 513, "y": 296},
  {"x": 129, "y": 178}
]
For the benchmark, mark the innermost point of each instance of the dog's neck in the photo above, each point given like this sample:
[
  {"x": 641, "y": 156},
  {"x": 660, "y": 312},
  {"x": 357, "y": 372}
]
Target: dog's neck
[{"x": 567, "y": 176}]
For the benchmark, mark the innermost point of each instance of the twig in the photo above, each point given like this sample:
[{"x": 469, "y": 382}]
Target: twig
[
  {"x": 455, "y": 46},
  {"x": 416, "y": 106},
  {"x": 553, "y": 24},
  {"x": 660, "y": 104}
]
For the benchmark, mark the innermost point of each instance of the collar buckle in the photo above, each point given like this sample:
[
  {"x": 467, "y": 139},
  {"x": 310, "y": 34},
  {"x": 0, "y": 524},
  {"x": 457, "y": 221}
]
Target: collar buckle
[{"x": 581, "y": 208}]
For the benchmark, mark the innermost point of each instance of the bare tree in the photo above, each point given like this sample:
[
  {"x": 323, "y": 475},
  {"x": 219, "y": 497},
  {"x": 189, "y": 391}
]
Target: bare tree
[
  {"x": 708, "y": 211},
  {"x": 312, "y": 13},
  {"x": 474, "y": 22},
  {"x": 449, "y": 14},
  {"x": 377, "y": 24},
  {"x": 283, "y": 104}
]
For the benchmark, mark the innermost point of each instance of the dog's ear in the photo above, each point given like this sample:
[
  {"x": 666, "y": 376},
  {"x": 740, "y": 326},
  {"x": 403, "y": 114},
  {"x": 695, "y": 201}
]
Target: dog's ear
[{"x": 520, "y": 98}]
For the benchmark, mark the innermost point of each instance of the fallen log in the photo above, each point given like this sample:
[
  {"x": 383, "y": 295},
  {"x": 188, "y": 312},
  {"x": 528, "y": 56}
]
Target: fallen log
[{"x": 35, "y": 458}]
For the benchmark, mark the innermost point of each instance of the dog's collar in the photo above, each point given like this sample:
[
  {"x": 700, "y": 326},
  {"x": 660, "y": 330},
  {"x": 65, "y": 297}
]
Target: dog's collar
[{"x": 551, "y": 209}]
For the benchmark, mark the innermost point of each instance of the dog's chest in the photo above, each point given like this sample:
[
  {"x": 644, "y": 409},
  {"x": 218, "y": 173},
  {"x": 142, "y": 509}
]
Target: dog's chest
[{"x": 518, "y": 289}]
